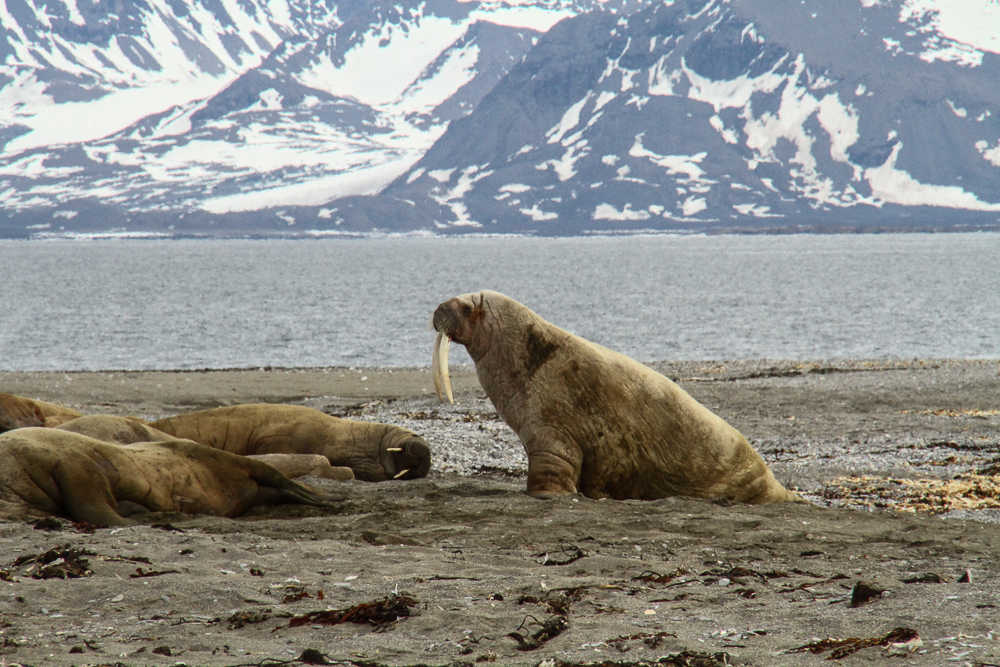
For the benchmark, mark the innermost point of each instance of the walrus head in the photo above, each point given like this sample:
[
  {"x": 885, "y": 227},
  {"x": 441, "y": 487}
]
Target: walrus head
[
  {"x": 20, "y": 412},
  {"x": 458, "y": 320}
]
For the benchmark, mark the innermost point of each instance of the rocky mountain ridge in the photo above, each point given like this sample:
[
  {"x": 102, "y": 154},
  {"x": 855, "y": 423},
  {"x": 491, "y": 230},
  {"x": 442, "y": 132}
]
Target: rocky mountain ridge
[{"x": 493, "y": 117}]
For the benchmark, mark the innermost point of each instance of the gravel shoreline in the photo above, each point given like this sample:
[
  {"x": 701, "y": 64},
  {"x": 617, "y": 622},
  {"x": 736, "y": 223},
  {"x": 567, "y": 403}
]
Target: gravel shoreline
[{"x": 489, "y": 569}]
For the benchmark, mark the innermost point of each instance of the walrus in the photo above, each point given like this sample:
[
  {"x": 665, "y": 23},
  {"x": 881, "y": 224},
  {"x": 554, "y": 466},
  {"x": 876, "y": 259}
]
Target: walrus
[
  {"x": 20, "y": 412},
  {"x": 51, "y": 471},
  {"x": 375, "y": 452},
  {"x": 592, "y": 420},
  {"x": 129, "y": 430}
]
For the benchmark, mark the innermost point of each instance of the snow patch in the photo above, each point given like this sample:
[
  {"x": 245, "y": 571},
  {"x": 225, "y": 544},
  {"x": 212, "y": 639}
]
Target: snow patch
[
  {"x": 735, "y": 93},
  {"x": 609, "y": 212},
  {"x": 458, "y": 69},
  {"x": 441, "y": 175},
  {"x": 532, "y": 17},
  {"x": 729, "y": 136},
  {"x": 693, "y": 205},
  {"x": 602, "y": 99},
  {"x": 661, "y": 82},
  {"x": 539, "y": 215},
  {"x": 676, "y": 165},
  {"x": 74, "y": 122},
  {"x": 453, "y": 198},
  {"x": 895, "y": 186},
  {"x": 796, "y": 106},
  {"x": 565, "y": 166},
  {"x": 992, "y": 155},
  {"x": 314, "y": 192},
  {"x": 569, "y": 120},
  {"x": 962, "y": 29},
  {"x": 958, "y": 111},
  {"x": 386, "y": 61},
  {"x": 270, "y": 100},
  {"x": 516, "y": 188}
]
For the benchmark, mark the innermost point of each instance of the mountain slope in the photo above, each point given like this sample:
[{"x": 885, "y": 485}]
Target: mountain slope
[
  {"x": 543, "y": 117},
  {"x": 743, "y": 114},
  {"x": 190, "y": 112}
]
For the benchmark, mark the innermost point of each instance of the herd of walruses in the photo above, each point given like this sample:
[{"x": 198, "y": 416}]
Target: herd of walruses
[{"x": 592, "y": 421}]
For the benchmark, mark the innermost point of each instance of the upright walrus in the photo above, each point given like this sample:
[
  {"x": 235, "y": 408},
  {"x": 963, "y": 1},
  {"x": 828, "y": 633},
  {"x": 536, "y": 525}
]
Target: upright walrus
[
  {"x": 375, "y": 452},
  {"x": 592, "y": 420},
  {"x": 46, "y": 471}
]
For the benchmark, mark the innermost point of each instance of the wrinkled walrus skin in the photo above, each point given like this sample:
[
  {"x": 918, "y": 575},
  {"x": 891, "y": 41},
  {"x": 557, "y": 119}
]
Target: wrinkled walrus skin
[
  {"x": 375, "y": 452},
  {"x": 50, "y": 471},
  {"x": 129, "y": 430},
  {"x": 116, "y": 430},
  {"x": 20, "y": 412},
  {"x": 594, "y": 421}
]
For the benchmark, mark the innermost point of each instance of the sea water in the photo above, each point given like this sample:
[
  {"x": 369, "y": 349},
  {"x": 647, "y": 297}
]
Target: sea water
[{"x": 188, "y": 304}]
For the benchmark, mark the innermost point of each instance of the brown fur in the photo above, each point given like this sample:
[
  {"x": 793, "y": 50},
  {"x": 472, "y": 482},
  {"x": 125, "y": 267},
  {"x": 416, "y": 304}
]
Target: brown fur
[
  {"x": 594, "y": 421},
  {"x": 50, "y": 471},
  {"x": 367, "y": 448}
]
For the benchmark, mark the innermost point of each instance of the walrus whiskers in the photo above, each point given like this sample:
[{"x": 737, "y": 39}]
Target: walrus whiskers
[{"x": 439, "y": 364}]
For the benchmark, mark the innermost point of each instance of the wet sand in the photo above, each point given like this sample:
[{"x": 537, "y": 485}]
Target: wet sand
[{"x": 900, "y": 457}]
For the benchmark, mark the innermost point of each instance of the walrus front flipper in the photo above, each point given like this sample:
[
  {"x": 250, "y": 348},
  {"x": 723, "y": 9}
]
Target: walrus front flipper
[
  {"x": 274, "y": 488},
  {"x": 87, "y": 496},
  {"x": 553, "y": 467}
]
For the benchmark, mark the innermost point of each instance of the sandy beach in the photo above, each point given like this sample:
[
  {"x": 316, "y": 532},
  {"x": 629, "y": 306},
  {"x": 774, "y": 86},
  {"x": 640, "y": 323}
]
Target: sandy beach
[{"x": 898, "y": 559}]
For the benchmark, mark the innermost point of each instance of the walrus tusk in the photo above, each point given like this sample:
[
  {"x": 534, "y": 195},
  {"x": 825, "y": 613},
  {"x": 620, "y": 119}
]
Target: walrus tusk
[
  {"x": 439, "y": 363},
  {"x": 401, "y": 473},
  {"x": 394, "y": 449}
]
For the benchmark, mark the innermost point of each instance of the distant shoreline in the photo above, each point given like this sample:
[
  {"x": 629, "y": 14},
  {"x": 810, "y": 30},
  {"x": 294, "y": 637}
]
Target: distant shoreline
[{"x": 321, "y": 235}]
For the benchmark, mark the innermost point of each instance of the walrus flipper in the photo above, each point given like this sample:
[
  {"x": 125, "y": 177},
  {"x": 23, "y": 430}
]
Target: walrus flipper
[
  {"x": 274, "y": 488},
  {"x": 87, "y": 495},
  {"x": 553, "y": 468}
]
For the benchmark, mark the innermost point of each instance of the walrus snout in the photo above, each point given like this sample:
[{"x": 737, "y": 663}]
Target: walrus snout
[
  {"x": 444, "y": 318},
  {"x": 409, "y": 459}
]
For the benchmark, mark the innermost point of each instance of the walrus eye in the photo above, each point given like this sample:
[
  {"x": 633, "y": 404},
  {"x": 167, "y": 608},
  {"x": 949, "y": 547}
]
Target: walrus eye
[{"x": 467, "y": 309}]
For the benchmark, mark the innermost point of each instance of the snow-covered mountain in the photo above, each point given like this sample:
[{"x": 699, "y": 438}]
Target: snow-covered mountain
[
  {"x": 498, "y": 116},
  {"x": 160, "y": 114}
]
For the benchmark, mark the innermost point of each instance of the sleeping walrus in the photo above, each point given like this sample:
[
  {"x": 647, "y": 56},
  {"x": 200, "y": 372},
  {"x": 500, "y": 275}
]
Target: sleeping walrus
[
  {"x": 50, "y": 471},
  {"x": 19, "y": 412},
  {"x": 592, "y": 420},
  {"x": 129, "y": 430},
  {"x": 375, "y": 452}
]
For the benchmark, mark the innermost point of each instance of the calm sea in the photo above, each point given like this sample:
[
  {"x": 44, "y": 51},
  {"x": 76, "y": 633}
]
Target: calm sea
[{"x": 129, "y": 304}]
